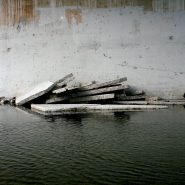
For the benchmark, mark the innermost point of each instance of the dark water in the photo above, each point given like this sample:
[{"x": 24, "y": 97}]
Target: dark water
[{"x": 111, "y": 148}]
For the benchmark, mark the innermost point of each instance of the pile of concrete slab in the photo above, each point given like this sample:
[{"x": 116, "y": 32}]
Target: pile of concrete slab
[
  {"x": 61, "y": 96},
  {"x": 61, "y": 92}
]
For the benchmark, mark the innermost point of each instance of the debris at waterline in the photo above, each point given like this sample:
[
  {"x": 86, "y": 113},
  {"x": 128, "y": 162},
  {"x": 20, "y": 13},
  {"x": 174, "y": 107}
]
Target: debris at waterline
[
  {"x": 4, "y": 101},
  {"x": 60, "y": 92},
  {"x": 111, "y": 95}
]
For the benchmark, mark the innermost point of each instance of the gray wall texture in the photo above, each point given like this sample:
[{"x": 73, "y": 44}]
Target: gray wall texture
[{"x": 96, "y": 40}]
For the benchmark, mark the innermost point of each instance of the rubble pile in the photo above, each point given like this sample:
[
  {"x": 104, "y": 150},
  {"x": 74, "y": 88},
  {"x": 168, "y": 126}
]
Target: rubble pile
[{"x": 111, "y": 94}]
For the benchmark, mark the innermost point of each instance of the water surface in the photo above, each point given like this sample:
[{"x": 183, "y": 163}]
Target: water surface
[{"x": 109, "y": 148}]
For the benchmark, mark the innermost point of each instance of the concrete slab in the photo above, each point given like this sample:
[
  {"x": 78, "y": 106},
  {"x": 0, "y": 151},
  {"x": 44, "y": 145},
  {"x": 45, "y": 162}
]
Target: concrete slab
[
  {"x": 38, "y": 91},
  {"x": 57, "y": 109},
  {"x": 149, "y": 102}
]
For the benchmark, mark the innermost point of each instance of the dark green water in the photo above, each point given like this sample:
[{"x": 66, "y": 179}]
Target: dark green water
[{"x": 111, "y": 148}]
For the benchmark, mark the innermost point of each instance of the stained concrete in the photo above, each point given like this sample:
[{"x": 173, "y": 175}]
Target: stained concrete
[
  {"x": 57, "y": 109},
  {"x": 95, "y": 40}
]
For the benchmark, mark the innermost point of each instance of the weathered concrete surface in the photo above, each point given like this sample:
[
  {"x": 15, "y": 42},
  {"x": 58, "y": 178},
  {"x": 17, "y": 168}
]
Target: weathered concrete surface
[
  {"x": 38, "y": 91},
  {"x": 95, "y": 40},
  {"x": 150, "y": 102},
  {"x": 92, "y": 98},
  {"x": 53, "y": 109}
]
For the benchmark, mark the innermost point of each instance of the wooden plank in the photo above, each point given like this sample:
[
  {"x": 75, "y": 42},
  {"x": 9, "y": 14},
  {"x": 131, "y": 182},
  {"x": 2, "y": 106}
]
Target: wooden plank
[
  {"x": 58, "y": 109},
  {"x": 38, "y": 91},
  {"x": 92, "y": 98}
]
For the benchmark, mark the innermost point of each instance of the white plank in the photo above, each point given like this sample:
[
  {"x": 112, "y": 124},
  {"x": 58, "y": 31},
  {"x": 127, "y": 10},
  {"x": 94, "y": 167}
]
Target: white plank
[{"x": 38, "y": 91}]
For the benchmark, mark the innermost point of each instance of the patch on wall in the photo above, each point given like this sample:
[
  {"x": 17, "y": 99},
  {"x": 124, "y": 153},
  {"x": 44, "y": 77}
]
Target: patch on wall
[{"x": 73, "y": 14}]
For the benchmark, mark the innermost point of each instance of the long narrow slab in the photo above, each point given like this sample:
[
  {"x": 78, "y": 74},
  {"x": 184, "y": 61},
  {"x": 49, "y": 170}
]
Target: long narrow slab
[
  {"x": 130, "y": 102},
  {"x": 105, "y": 84},
  {"x": 123, "y": 97},
  {"x": 71, "y": 89},
  {"x": 38, "y": 91},
  {"x": 99, "y": 91},
  {"x": 86, "y": 93},
  {"x": 92, "y": 98},
  {"x": 57, "y": 109},
  {"x": 149, "y": 102},
  {"x": 56, "y": 100},
  {"x": 166, "y": 103},
  {"x": 92, "y": 86}
]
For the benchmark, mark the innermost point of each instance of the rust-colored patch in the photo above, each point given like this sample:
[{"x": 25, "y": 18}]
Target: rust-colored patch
[
  {"x": 17, "y": 11},
  {"x": 13, "y": 12},
  {"x": 43, "y": 3},
  {"x": 73, "y": 14}
]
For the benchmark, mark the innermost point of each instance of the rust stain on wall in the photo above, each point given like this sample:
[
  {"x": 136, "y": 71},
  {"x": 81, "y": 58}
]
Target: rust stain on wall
[
  {"x": 25, "y": 11},
  {"x": 17, "y": 11},
  {"x": 73, "y": 14},
  {"x": 43, "y": 3}
]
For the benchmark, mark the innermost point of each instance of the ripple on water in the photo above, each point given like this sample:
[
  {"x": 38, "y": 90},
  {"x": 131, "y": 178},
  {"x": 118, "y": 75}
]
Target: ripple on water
[{"x": 92, "y": 149}]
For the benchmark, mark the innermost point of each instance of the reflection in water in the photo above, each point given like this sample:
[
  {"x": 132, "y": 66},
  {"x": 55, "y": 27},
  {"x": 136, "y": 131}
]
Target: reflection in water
[
  {"x": 100, "y": 148},
  {"x": 78, "y": 118},
  {"x": 24, "y": 11}
]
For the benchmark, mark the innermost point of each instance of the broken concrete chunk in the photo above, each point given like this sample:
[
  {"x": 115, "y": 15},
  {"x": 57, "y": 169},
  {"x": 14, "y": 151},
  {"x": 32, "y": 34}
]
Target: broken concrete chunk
[
  {"x": 4, "y": 100},
  {"x": 38, "y": 91}
]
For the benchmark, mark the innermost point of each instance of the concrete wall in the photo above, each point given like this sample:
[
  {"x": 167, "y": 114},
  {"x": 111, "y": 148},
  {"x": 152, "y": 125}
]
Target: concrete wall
[{"x": 95, "y": 40}]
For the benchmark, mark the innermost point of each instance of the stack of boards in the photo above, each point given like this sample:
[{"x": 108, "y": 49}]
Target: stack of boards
[{"x": 60, "y": 96}]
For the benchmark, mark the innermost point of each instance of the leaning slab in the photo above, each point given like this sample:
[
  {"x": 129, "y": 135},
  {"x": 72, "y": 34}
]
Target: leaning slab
[
  {"x": 58, "y": 109},
  {"x": 38, "y": 91}
]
